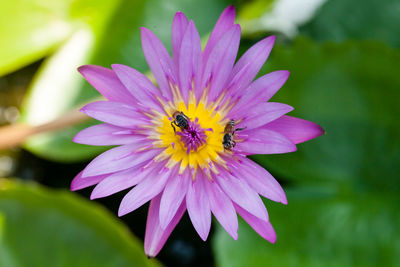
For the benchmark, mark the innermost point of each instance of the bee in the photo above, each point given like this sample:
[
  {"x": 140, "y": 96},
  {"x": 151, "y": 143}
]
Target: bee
[
  {"x": 229, "y": 131},
  {"x": 180, "y": 120}
]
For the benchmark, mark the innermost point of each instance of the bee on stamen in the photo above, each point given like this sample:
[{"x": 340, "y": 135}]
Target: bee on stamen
[
  {"x": 229, "y": 131},
  {"x": 180, "y": 120}
]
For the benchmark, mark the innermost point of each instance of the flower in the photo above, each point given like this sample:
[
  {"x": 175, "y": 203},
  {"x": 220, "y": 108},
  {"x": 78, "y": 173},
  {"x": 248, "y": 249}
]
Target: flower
[{"x": 183, "y": 145}]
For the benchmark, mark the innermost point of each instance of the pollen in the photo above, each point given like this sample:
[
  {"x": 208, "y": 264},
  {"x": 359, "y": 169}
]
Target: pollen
[{"x": 199, "y": 146}]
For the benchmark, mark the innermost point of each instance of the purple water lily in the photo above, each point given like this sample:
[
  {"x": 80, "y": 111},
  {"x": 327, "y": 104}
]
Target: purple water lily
[{"x": 183, "y": 145}]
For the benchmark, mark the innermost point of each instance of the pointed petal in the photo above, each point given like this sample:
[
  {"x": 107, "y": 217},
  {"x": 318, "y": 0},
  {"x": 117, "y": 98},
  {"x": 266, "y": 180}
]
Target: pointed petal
[
  {"x": 139, "y": 86},
  {"x": 118, "y": 159},
  {"x": 114, "y": 113},
  {"x": 243, "y": 195},
  {"x": 159, "y": 61},
  {"x": 145, "y": 191},
  {"x": 262, "y": 141},
  {"x": 219, "y": 65},
  {"x": 179, "y": 25},
  {"x": 224, "y": 23},
  {"x": 222, "y": 208},
  {"x": 199, "y": 207},
  {"x": 104, "y": 135},
  {"x": 119, "y": 181},
  {"x": 156, "y": 236},
  {"x": 296, "y": 129},
  {"x": 80, "y": 182},
  {"x": 106, "y": 82},
  {"x": 261, "y": 90},
  {"x": 249, "y": 65},
  {"x": 259, "y": 179},
  {"x": 264, "y": 113},
  {"x": 190, "y": 61},
  {"x": 262, "y": 227},
  {"x": 172, "y": 197}
]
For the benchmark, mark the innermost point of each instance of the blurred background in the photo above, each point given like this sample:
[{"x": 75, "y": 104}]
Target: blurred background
[{"x": 343, "y": 187}]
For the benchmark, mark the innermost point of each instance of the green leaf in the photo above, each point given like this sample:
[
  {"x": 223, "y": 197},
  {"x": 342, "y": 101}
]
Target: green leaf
[
  {"x": 33, "y": 29},
  {"x": 42, "y": 227},
  {"x": 119, "y": 43},
  {"x": 352, "y": 91},
  {"x": 316, "y": 229},
  {"x": 342, "y": 20}
]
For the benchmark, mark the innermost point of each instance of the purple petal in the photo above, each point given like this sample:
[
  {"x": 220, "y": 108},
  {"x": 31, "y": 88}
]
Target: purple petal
[
  {"x": 224, "y": 23},
  {"x": 179, "y": 25},
  {"x": 190, "y": 61},
  {"x": 219, "y": 65},
  {"x": 159, "y": 61},
  {"x": 172, "y": 197},
  {"x": 199, "y": 207},
  {"x": 262, "y": 141},
  {"x": 297, "y": 130},
  {"x": 139, "y": 86},
  {"x": 262, "y": 227},
  {"x": 249, "y": 65},
  {"x": 80, "y": 182},
  {"x": 241, "y": 194},
  {"x": 261, "y": 90},
  {"x": 119, "y": 181},
  {"x": 222, "y": 207},
  {"x": 263, "y": 113},
  {"x": 118, "y": 159},
  {"x": 114, "y": 113},
  {"x": 107, "y": 83},
  {"x": 156, "y": 236},
  {"x": 145, "y": 191},
  {"x": 104, "y": 135},
  {"x": 259, "y": 179}
]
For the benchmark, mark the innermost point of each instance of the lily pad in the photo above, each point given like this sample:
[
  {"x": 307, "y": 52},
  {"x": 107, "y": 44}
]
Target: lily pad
[{"x": 42, "y": 227}]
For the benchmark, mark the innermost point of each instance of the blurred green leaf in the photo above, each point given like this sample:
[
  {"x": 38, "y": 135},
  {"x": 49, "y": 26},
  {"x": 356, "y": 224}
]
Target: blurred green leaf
[
  {"x": 316, "y": 229},
  {"x": 352, "y": 91},
  {"x": 39, "y": 227},
  {"x": 31, "y": 30},
  {"x": 342, "y": 20},
  {"x": 58, "y": 87}
]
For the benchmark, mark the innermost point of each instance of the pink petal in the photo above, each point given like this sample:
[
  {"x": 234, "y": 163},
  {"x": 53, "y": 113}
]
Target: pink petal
[
  {"x": 241, "y": 194},
  {"x": 179, "y": 25},
  {"x": 139, "y": 86},
  {"x": 262, "y": 141},
  {"x": 297, "y": 130},
  {"x": 114, "y": 113},
  {"x": 262, "y": 227},
  {"x": 222, "y": 207},
  {"x": 259, "y": 179},
  {"x": 145, "y": 191},
  {"x": 80, "y": 182},
  {"x": 261, "y": 114},
  {"x": 190, "y": 61},
  {"x": 104, "y": 135},
  {"x": 224, "y": 23},
  {"x": 118, "y": 159},
  {"x": 172, "y": 197},
  {"x": 249, "y": 65},
  {"x": 219, "y": 65},
  {"x": 159, "y": 61},
  {"x": 156, "y": 236},
  {"x": 119, "y": 181},
  {"x": 261, "y": 90},
  {"x": 107, "y": 83},
  {"x": 199, "y": 207}
]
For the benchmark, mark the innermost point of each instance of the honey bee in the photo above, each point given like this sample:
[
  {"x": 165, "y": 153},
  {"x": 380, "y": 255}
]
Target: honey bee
[
  {"x": 229, "y": 131},
  {"x": 180, "y": 120}
]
